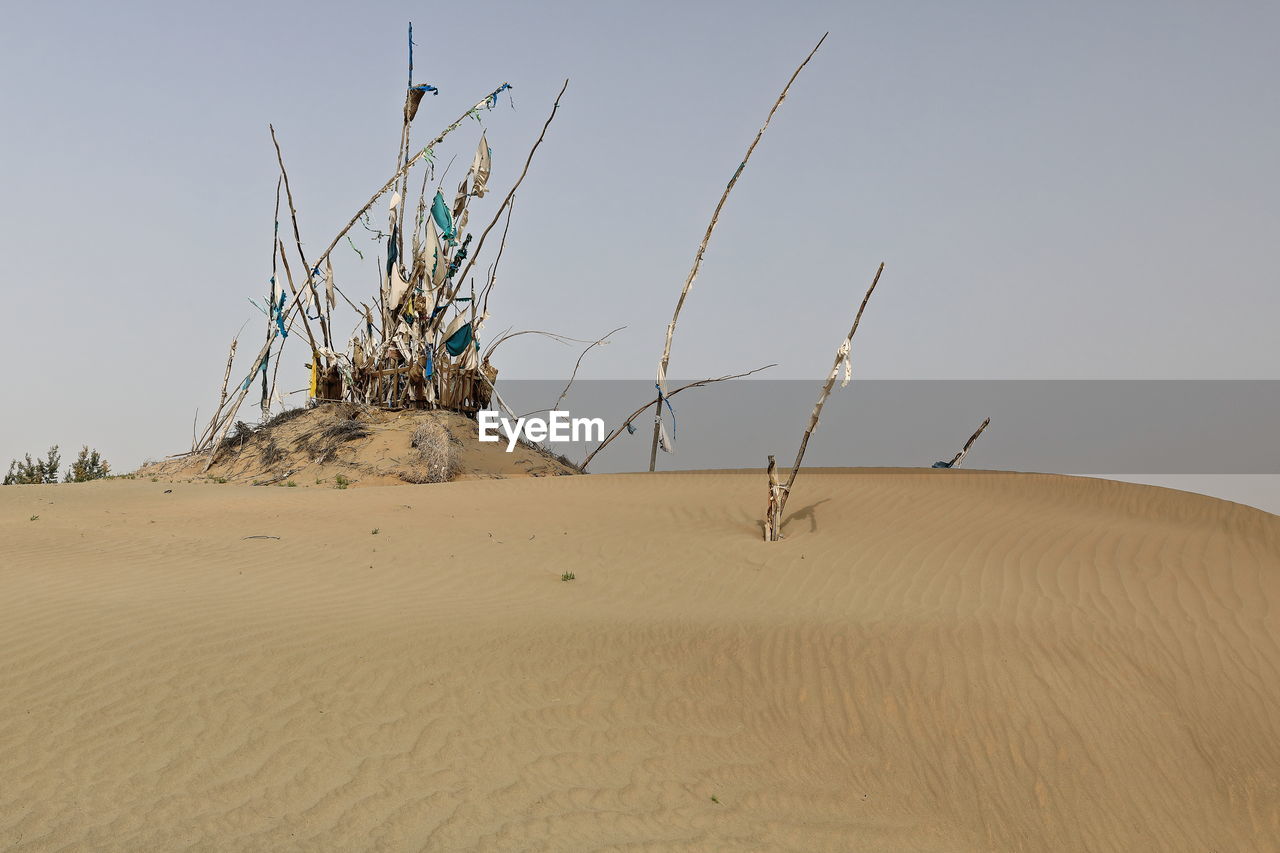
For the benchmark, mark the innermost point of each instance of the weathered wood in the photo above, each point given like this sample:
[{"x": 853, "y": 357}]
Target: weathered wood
[
  {"x": 842, "y": 354},
  {"x": 773, "y": 512},
  {"x": 297, "y": 236},
  {"x": 964, "y": 451},
  {"x": 702, "y": 249},
  {"x": 288, "y": 274},
  {"x": 462, "y": 276}
]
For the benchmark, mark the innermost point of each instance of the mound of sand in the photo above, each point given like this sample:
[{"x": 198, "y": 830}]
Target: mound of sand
[
  {"x": 932, "y": 660},
  {"x": 364, "y": 446}
]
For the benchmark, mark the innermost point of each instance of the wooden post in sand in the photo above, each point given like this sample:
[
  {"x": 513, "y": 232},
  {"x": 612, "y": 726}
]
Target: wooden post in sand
[
  {"x": 778, "y": 494},
  {"x": 773, "y": 513},
  {"x": 964, "y": 451}
]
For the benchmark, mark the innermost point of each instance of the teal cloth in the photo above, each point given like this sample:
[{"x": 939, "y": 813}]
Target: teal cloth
[
  {"x": 459, "y": 341},
  {"x": 444, "y": 219}
]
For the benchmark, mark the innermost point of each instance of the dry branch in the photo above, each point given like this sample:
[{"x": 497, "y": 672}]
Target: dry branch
[
  {"x": 638, "y": 412},
  {"x": 391, "y": 182},
  {"x": 511, "y": 194},
  {"x": 702, "y": 248},
  {"x": 778, "y": 494},
  {"x": 964, "y": 451},
  {"x": 574, "y": 374},
  {"x": 773, "y": 512},
  {"x": 302, "y": 255}
]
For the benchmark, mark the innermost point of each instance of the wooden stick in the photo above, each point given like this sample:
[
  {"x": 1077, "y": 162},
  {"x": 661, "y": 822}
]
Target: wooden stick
[
  {"x": 578, "y": 363},
  {"x": 297, "y": 236},
  {"x": 773, "y": 513},
  {"x": 391, "y": 182},
  {"x": 702, "y": 248},
  {"x": 222, "y": 399},
  {"x": 305, "y": 325},
  {"x": 574, "y": 374},
  {"x": 226, "y": 374},
  {"x": 402, "y": 153},
  {"x": 275, "y": 375},
  {"x": 502, "y": 246},
  {"x": 959, "y": 457},
  {"x": 842, "y": 354},
  {"x": 638, "y": 412},
  {"x": 275, "y": 282},
  {"x": 462, "y": 276}
]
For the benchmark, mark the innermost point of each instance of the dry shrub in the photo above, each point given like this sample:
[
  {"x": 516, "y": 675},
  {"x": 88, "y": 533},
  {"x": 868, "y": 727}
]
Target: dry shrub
[
  {"x": 235, "y": 440},
  {"x": 345, "y": 430},
  {"x": 285, "y": 416},
  {"x": 437, "y": 454},
  {"x": 323, "y": 444},
  {"x": 271, "y": 453}
]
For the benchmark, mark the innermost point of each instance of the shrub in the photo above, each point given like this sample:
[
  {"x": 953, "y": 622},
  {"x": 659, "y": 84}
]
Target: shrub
[
  {"x": 34, "y": 471},
  {"x": 437, "y": 452},
  {"x": 89, "y": 465}
]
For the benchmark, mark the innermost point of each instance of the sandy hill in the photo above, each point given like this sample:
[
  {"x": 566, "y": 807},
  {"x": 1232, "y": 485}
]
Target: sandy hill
[
  {"x": 932, "y": 661},
  {"x": 363, "y": 445}
]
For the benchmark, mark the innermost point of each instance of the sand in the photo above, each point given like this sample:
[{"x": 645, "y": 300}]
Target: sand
[
  {"x": 933, "y": 660},
  {"x": 371, "y": 447}
]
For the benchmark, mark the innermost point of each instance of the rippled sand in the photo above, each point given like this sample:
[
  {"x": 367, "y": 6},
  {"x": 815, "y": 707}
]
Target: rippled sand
[{"x": 933, "y": 660}]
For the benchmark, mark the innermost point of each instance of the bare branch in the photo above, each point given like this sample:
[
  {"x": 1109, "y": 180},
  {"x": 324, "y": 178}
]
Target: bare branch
[
  {"x": 510, "y": 195},
  {"x": 574, "y": 375},
  {"x": 611, "y": 436},
  {"x": 778, "y": 497},
  {"x": 702, "y": 248},
  {"x": 959, "y": 457}
]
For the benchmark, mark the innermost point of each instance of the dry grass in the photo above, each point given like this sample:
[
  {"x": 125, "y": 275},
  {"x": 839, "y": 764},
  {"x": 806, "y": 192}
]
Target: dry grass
[
  {"x": 284, "y": 417},
  {"x": 437, "y": 452}
]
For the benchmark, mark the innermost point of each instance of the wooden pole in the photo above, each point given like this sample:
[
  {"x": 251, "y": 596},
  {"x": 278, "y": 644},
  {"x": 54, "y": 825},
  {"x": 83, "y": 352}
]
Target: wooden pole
[
  {"x": 842, "y": 356},
  {"x": 959, "y": 457},
  {"x": 702, "y": 248},
  {"x": 222, "y": 398},
  {"x": 305, "y": 324},
  {"x": 773, "y": 513},
  {"x": 297, "y": 236}
]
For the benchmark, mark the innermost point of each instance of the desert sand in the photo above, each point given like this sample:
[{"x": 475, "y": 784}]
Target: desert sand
[{"x": 932, "y": 660}]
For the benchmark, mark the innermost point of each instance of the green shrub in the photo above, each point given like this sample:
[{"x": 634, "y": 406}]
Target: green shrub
[
  {"x": 89, "y": 465},
  {"x": 34, "y": 471}
]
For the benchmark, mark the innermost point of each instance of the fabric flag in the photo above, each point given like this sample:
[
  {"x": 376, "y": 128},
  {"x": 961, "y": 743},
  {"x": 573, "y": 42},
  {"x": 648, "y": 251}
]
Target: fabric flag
[
  {"x": 460, "y": 207},
  {"x": 843, "y": 355},
  {"x": 329, "y": 285},
  {"x": 440, "y": 213},
  {"x": 458, "y": 336},
  {"x": 436, "y": 263},
  {"x": 398, "y": 288},
  {"x": 480, "y": 165}
]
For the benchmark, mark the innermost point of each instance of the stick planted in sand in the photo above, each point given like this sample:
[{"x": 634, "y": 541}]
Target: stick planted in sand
[
  {"x": 778, "y": 494},
  {"x": 702, "y": 248},
  {"x": 964, "y": 451}
]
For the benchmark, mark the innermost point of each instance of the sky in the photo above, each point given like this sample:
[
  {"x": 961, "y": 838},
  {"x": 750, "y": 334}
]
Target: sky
[{"x": 1083, "y": 190}]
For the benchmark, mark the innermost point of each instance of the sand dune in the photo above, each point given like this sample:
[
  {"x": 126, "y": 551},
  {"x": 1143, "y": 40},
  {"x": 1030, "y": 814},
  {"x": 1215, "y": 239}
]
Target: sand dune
[{"x": 933, "y": 660}]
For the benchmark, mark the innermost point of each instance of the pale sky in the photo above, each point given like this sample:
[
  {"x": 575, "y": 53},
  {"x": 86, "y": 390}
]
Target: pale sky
[{"x": 1082, "y": 190}]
